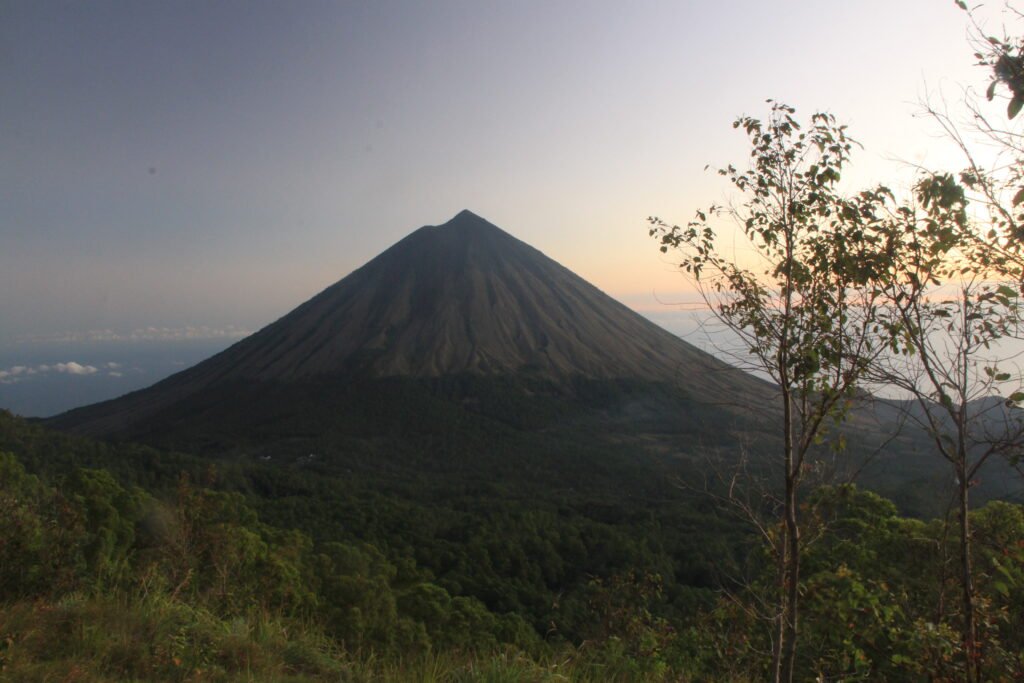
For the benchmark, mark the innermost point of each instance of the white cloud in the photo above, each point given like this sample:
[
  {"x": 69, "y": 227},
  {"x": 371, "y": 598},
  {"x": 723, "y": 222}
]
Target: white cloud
[
  {"x": 18, "y": 373},
  {"x": 73, "y": 368}
]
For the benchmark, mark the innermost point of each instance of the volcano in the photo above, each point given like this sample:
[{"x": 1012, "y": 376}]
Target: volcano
[
  {"x": 462, "y": 298},
  {"x": 463, "y": 353}
]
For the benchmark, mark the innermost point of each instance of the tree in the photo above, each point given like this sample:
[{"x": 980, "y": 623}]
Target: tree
[
  {"x": 992, "y": 147},
  {"x": 947, "y": 318},
  {"x": 952, "y": 298},
  {"x": 808, "y": 318}
]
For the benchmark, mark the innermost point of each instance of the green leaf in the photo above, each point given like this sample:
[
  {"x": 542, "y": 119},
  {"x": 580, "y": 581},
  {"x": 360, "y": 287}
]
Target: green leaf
[{"x": 1014, "y": 107}]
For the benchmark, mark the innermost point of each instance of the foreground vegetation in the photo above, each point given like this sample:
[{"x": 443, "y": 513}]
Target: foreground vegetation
[{"x": 103, "y": 579}]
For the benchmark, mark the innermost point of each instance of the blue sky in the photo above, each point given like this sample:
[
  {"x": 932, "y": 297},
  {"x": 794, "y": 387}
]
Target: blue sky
[{"x": 173, "y": 164}]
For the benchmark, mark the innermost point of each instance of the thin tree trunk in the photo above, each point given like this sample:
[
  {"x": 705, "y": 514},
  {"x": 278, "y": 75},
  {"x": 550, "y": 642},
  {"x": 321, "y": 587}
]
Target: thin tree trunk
[
  {"x": 792, "y": 582},
  {"x": 778, "y": 622},
  {"x": 783, "y": 664},
  {"x": 972, "y": 657}
]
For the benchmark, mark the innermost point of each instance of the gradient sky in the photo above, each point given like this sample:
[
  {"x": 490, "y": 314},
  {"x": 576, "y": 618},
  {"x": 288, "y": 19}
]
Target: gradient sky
[{"x": 214, "y": 164}]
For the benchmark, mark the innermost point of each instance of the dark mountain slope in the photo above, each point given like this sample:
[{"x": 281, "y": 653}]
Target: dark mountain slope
[{"x": 461, "y": 298}]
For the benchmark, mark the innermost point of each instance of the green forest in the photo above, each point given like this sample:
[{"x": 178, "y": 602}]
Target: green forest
[{"x": 119, "y": 562}]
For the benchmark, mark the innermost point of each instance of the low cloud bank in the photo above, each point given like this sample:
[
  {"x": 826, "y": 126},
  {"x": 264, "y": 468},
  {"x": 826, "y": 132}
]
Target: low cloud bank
[
  {"x": 151, "y": 333},
  {"x": 18, "y": 373}
]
